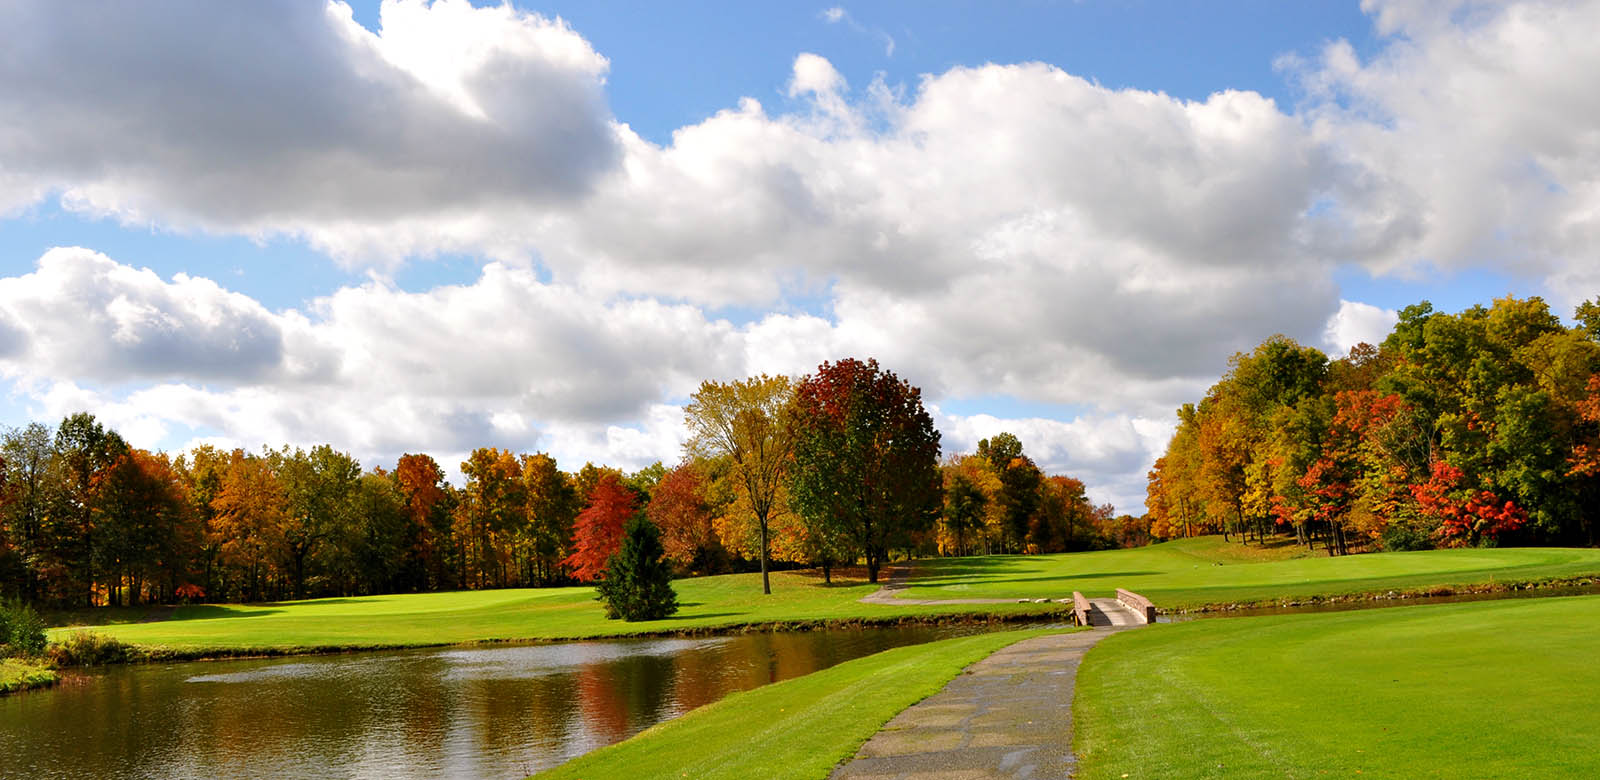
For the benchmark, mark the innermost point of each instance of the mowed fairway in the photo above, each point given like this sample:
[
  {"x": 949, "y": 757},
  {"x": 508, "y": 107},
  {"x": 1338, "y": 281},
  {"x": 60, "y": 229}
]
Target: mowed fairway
[
  {"x": 1206, "y": 570},
  {"x": 467, "y": 616},
  {"x": 796, "y": 729},
  {"x": 1495, "y": 689}
]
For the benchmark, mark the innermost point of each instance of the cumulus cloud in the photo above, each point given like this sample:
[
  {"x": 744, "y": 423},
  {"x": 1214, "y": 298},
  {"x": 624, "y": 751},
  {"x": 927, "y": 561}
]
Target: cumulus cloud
[
  {"x": 1470, "y": 133},
  {"x": 1357, "y": 323},
  {"x": 1003, "y": 229},
  {"x": 293, "y": 119}
]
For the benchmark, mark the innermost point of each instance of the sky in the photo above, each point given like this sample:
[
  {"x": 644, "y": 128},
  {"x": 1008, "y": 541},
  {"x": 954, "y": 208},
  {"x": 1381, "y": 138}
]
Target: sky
[{"x": 428, "y": 227}]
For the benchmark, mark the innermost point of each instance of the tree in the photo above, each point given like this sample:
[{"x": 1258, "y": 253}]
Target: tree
[
  {"x": 86, "y": 449},
  {"x": 637, "y": 583},
  {"x": 251, "y": 508},
  {"x": 425, "y": 505},
  {"x": 317, "y": 486},
  {"x": 865, "y": 457},
  {"x": 552, "y": 504},
  {"x": 681, "y": 508},
  {"x": 747, "y": 422},
  {"x": 493, "y": 503},
  {"x": 597, "y": 533},
  {"x": 30, "y": 468},
  {"x": 964, "y": 505}
]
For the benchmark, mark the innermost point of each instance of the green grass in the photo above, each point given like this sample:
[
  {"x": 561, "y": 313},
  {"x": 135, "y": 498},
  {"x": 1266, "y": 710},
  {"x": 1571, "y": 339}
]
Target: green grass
[
  {"x": 799, "y": 728},
  {"x": 467, "y": 616},
  {"x": 1190, "y": 573},
  {"x": 19, "y": 675},
  {"x": 1502, "y": 689}
]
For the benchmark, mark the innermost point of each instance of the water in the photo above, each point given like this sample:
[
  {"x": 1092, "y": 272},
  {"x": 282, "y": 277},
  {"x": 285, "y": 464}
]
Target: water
[{"x": 496, "y": 712}]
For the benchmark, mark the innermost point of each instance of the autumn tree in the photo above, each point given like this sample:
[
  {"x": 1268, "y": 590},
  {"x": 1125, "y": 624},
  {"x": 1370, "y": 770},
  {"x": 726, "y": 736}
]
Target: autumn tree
[
  {"x": 866, "y": 457},
  {"x": 965, "y": 504},
  {"x": 493, "y": 503},
  {"x": 748, "y": 423},
  {"x": 552, "y": 504},
  {"x": 1021, "y": 483},
  {"x": 425, "y": 504},
  {"x": 597, "y": 532},
  {"x": 250, "y": 512},
  {"x": 681, "y": 508}
]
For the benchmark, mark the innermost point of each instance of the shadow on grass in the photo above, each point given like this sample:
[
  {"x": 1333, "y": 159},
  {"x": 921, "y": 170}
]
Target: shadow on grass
[
  {"x": 701, "y": 615},
  {"x": 942, "y": 582},
  {"x": 215, "y": 611}
]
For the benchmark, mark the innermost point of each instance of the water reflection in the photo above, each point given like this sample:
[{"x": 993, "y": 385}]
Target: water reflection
[{"x": 490, "y": 712}]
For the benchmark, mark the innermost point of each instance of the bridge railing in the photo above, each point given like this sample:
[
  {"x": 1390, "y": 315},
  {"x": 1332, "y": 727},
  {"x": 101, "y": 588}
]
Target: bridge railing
[
  {"x": 1141, "y": 606},
  {"x": 1080, "y": 609}
]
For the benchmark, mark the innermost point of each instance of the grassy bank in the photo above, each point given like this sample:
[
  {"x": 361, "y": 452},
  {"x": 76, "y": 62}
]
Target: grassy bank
[
  {"x": 1193, "y": 573},
  {"x": 797, "y": 729},
  {"x": 20, "y": 675},
  {"x": 709, "y": 603},
  {"x": 1485, "y": 689}
]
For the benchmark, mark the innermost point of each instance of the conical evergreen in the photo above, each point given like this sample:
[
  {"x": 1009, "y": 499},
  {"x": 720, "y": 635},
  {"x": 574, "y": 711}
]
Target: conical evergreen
[{"x": 638, "y": 579}]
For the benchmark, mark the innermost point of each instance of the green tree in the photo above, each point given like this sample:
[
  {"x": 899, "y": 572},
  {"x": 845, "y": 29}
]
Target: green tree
[
  {"x": 317, "y": 485},
  {"x": 637, "y": 584}
]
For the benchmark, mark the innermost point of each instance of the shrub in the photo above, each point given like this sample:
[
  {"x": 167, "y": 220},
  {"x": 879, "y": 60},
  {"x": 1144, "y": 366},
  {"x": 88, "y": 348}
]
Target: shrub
[
  {"x": 86, "y": 648},
  {"x": 21, "y": 630},
  {"x": 637, "y": 583},
  {"x": 1399, "y": 536}
]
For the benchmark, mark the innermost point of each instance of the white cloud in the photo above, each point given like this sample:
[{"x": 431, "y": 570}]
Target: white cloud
[
  {"x": 1004, "y": 229},
  {"x": 1357, "y": 323},
  {"x": 1471, "y": 132},
  {"x": 294, "y": 119}
]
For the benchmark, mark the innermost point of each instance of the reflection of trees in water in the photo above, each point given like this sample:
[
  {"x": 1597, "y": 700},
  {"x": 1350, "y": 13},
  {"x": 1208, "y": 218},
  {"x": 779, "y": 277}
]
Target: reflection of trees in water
[
  {"x": 625, "y": 695},
  {"x": 395, "y": 715}
]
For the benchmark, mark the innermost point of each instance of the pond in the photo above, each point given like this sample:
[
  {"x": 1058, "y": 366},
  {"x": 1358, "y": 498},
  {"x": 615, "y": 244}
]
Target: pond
[{"x": 482, "y": 712}]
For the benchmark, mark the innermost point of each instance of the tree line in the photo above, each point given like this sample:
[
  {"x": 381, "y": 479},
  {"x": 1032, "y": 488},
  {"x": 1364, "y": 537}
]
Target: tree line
[
  {"x": 836, "y": 468},
  {"x": 1477, "y": 428}
]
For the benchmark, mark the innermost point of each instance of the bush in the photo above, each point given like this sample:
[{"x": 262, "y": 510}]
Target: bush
[
  {"x": 21, "y": 630},
  {"x": 1399, "y": 536},
  {"x": 637, "y": 583},
  {"x": 86, "y": 648}
]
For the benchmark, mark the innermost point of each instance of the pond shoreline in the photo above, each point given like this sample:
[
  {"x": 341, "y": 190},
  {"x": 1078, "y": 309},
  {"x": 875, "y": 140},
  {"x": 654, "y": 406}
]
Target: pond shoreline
[{"x": 144, "y": 654}]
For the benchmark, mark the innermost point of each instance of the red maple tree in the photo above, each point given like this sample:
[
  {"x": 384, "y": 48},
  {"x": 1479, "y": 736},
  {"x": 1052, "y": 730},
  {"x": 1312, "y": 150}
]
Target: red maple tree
[{"x": 597, "y": 533}]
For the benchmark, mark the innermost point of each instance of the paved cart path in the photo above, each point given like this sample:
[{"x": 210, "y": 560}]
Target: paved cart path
[
  {"x": 1007, "y": 716},
  {"x": 899, "y": 575}
]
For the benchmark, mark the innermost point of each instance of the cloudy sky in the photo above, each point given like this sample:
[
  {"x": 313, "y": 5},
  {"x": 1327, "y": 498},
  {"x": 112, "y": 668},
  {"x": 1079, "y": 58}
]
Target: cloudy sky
[{"x": 416, "y": 226}]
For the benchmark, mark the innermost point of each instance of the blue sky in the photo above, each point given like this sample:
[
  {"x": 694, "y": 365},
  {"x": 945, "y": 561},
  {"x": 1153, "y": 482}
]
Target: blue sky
[{"x": 452, "y": 227}]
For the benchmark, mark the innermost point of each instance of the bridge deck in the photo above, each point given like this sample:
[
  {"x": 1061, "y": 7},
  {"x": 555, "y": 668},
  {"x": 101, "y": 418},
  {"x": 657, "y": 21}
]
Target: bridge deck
[{"x": 1110, "y": 612}]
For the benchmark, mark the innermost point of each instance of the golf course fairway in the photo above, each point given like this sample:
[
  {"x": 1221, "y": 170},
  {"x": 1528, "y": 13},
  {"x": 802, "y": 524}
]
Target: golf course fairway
[{"x": 1501, "y": 689}]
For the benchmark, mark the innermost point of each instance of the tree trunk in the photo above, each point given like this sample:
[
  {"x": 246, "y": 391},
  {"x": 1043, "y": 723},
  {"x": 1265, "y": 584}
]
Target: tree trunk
[{"x": 766, "y": 584}]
